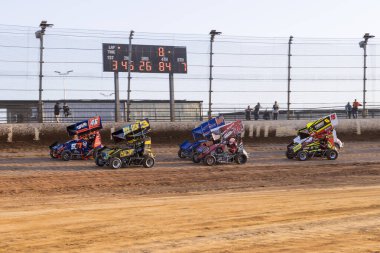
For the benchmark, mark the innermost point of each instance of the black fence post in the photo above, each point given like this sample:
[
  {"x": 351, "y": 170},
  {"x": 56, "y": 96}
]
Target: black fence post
[
  {"x": 289, "y": 79},
  {"x": 40, "y": 35}
]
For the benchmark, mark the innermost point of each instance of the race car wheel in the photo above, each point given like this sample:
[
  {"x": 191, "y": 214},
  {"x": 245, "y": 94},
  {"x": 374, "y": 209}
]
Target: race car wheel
[
  {"x": 241, "y": 158},
  {"x": 148, "y": 162},
  {"x": 115, "y": 163},
  {"x": 99, "y": 161},
  {"x": 52, "y": 154},
  {"x": 66, "y": 155},
  {"x": 302, "y": 155},
  {"x": 332, "y": 154},
  {"x": 210, "y": 160},
  {"x": 195, "y": 158},
  {"x": 180, "y": 154},
  {"x": 289, "y": 154}
]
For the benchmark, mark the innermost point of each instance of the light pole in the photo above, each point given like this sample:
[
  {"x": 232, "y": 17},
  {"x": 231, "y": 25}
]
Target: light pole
[
  {"x": 40, "y": 35},
  {"x": 64, "y": 74},
  {"x": 129, "y": 76},
  {"x": 212, "y": 36},
  {"x": 289, "y": 68},
  {"x": 363, "y": 44}
]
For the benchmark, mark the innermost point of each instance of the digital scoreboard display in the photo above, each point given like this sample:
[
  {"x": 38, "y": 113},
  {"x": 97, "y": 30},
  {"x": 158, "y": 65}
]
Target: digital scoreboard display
[{"x": 145, "y": 58}]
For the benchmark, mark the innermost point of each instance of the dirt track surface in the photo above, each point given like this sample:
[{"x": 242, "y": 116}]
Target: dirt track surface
[{"x": 270, "y": 204}]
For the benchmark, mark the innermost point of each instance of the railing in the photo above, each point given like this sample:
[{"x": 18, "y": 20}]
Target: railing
[{"x": 28, "y": 114}]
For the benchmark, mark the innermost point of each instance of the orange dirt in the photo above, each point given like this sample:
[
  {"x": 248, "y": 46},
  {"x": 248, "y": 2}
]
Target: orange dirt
[{"x": 271, "y": 204}]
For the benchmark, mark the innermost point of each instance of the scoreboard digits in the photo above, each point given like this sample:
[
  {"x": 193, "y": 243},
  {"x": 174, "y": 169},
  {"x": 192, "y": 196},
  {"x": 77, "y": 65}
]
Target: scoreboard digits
[{"x": 145, "y": 58}]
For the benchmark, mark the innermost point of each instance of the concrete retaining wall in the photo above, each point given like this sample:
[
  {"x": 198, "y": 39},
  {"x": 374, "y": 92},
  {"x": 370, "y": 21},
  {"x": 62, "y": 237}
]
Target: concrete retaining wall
[{"x": 167, "y": 132}]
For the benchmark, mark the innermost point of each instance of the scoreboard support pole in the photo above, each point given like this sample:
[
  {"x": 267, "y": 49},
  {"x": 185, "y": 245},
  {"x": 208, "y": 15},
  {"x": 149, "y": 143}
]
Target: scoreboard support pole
[
  {"x": 117, "y": 97},
  {"x": 171, "y": 94}
]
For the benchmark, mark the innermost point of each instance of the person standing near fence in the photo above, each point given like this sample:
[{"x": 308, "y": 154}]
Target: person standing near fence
[
  {"x": 355, "y": 109},
  {"x": 256, "y": 111},
  {"x": 276, "y": 109},
  {"x": 57, "y": 111},
  {"x": 66, "y": 110},
  {"x": 248, "y": 113},
  {"x": 348, "y": 109}
]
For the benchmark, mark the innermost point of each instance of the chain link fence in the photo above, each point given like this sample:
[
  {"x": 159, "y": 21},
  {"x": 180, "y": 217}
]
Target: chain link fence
[{"x": 318, "y": 74}]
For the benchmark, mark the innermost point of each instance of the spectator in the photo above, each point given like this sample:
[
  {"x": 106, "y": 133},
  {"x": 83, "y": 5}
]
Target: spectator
[
  {"x": 57, "y": 111},
  {"x": 256, "y": 111},
  {"x": 348, "y": 109},
  {"x": 66, "y": 110},
  {"x": 355, "y": 109},
  {"x": 20, "y": 118},
  {"x": 276, "y": 109},
  {"x": 248, "y": 113},
  {"x": 266, "y": 115}
]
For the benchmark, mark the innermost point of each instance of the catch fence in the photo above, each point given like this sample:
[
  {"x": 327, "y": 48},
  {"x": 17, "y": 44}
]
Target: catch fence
[{"x": 305, "y": 75}]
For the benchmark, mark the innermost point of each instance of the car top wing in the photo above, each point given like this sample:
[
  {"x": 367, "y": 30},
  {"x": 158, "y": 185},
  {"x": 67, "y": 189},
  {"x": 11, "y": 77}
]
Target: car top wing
[
  {"x": 132, "y": 131},
  {"x": 204, "y": 129},
  {"x": 85, "y": 126}
]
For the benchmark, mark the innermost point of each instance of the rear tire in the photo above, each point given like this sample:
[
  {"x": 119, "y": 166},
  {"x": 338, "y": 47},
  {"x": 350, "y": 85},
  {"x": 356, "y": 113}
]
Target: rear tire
[
  {"x": 99, "y": 161},
  {"x": 115, "y": 163},
  {"x": 148, "y": 162},
  {"x": 210, "y": 160},
  {"x": 241, "y": 158},
  {"x": 332, "y": 154},
  {"x": 180, "y": 154},
  {"x": 302, "y": 155},
  {"x": 66, "y": 155},
  {"x": 195, "y": 158}
]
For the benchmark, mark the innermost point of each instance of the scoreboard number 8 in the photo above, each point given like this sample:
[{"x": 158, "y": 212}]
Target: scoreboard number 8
[{"x": 161, "y": 51}]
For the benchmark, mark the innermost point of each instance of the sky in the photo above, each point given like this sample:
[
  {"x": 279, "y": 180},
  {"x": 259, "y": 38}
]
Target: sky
[
  {"x": 331, "y": 18},
  {"x": 275, "y": 19}
]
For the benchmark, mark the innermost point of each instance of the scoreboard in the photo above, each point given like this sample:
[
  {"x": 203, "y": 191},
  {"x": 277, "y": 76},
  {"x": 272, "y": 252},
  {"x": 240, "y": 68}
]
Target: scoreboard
[{"x": 145, "y": 58}]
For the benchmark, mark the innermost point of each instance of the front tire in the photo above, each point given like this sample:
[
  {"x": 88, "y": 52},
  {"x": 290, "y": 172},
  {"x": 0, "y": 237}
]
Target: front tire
[
  {"x": 289, "y": 155},
  {"x": 210, "y": 160},
  {"x": 66, "y": 155},
  {"x": 241, "y": 158},
  {"x": 180, "y": 154},
  {"x": 332, "y": 154},
  {"x": 52, "y": 154},
  {"x": 148, "y": 162},
  {"x": 302, "y": 155},
  {"x": 115, "y": 163},
  {"x": 337, "y": 145},
  {"x": 99, "y": 161},
  {"x": 196, "y": 158}
]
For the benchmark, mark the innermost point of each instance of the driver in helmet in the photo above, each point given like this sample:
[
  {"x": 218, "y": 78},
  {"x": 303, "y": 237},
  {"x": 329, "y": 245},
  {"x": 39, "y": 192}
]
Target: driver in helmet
[{"x": 232, "y": 145}]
